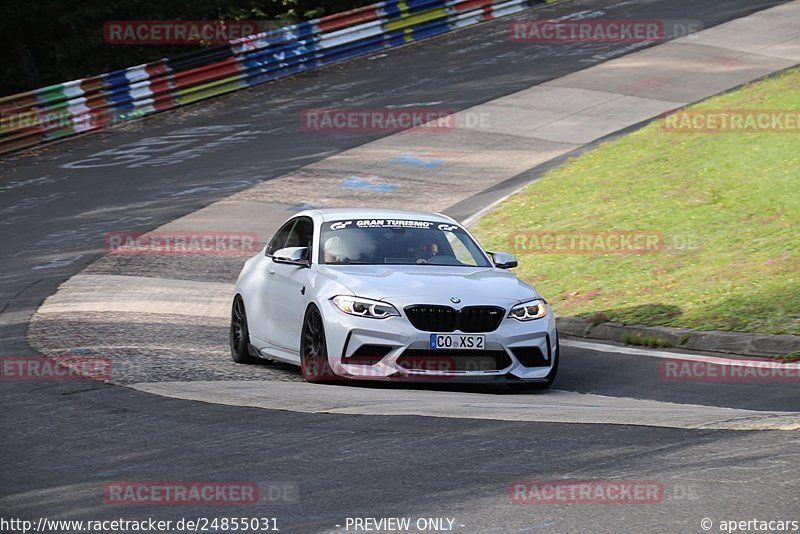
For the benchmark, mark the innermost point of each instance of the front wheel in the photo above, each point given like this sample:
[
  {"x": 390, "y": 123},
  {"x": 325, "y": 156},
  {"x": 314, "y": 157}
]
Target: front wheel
[
  {"x": 240, "y": 335},
  {"x": 314, "y": 364}
]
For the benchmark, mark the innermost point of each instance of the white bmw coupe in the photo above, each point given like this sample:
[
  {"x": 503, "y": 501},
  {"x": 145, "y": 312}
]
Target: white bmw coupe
[{"x": 379, "y": 294}]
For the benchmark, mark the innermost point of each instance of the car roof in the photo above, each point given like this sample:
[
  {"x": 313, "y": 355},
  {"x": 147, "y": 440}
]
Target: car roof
[{"x": 337, "y": 214}]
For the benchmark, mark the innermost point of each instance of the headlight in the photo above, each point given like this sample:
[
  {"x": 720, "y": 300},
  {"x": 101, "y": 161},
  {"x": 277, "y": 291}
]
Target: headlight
[
  {"x": 527, "y": 311},
  {"x": 365, "y": 307}
]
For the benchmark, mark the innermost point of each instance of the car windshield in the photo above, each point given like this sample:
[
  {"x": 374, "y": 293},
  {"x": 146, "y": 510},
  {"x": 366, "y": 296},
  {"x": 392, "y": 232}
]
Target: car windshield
[{"x": 398, "y": 242}]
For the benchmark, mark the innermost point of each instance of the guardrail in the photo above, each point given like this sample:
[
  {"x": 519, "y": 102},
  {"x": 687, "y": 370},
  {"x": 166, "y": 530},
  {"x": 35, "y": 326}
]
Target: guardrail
[{"x": 66, "y": 109}]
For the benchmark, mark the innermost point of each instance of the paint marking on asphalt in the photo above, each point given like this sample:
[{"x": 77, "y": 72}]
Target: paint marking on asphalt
[
  {"x": 553, "y": 406},
  {"x": 618, "y": 349}
]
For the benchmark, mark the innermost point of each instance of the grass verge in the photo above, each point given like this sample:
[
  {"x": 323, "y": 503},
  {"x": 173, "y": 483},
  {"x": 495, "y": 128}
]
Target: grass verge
[{"x": 722, "y": 208}]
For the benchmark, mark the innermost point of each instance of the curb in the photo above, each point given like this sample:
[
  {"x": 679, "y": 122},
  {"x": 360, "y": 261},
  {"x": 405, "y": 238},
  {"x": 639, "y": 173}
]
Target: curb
[{"x": 738, "y": 343}]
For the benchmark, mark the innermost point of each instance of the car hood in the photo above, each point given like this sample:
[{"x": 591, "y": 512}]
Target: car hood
[{"x": 428, "y": 284}]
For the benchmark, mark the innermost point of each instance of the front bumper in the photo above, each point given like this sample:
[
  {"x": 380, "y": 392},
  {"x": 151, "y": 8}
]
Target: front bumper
[{"x": 392, "y": 349}]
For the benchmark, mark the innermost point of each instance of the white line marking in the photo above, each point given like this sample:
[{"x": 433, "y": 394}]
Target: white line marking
[
  {"x": 555, "y": 406},
  {"x": 601, "y": 347}
]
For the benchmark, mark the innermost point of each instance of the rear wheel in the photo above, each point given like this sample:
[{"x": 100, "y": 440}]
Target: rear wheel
[
  {"x": 314, "y": 364},
  {"x": 239, "y": 335}
]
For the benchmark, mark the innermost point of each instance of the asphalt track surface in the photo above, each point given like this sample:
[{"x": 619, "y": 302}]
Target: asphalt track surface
[{"x": 62, "y": 441}]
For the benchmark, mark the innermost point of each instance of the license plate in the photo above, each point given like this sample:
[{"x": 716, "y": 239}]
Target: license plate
[{"x": 457, "y": 341}]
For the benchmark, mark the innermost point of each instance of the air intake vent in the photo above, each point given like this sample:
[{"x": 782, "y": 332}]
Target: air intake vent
[
  {"x": 367, "y": 355},
  {"x": 453, "y": 360},
  {"x": 530, "y": 356}
]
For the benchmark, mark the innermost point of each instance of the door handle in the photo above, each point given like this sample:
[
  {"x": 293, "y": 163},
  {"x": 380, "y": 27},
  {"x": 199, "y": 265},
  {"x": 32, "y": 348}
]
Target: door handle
[{"x": 271, "y": 270}]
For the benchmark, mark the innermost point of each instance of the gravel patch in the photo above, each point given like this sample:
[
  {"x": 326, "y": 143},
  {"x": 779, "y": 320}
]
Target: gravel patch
[
  {"x": 151, "y": 347},
  {"x": 195, "y": 267}
]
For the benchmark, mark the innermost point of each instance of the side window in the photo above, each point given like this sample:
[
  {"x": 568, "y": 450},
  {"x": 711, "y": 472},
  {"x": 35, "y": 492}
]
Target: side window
[
  {"x": 302, "y": 235},
  {"x": 279, "y": 239}
]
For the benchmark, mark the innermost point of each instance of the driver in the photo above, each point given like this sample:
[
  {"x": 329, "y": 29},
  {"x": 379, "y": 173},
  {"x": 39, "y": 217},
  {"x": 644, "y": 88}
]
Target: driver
[{"x": 426, "y": 251}]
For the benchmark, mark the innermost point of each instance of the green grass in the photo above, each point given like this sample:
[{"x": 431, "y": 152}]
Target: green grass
[
  {"x": 791, "y": 357},
  {"x": 645, "y": 341},
  {"x": 733, "y": 197}
]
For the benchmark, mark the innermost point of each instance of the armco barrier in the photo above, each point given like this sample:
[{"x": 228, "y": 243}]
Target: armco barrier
[{"x": 66, "y": 109}]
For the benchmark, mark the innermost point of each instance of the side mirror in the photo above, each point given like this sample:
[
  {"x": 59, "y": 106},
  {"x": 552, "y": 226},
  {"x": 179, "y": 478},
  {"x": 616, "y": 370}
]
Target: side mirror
[
  {"x": 292, "y": 256},
  {"x": 503, "y": 260}
]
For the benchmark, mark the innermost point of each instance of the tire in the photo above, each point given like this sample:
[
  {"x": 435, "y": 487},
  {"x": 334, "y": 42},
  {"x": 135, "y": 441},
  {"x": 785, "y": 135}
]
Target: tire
[
  {"x": 314, "y": 364},
  {"x": 550, "y": 378},
  {"x": 239, "y": 334}
]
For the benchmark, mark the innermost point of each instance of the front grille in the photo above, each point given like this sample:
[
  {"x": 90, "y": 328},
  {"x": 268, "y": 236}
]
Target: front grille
[
  {"x": 453, "y": 360},
  {"x": 432, "y": 318},
  {"x": 480, "y": 318},
  {"x": 471, "y": 319}
]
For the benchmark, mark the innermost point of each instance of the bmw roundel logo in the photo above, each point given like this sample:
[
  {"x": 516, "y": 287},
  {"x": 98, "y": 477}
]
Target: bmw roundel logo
[{"x": 455, "y": 300}]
